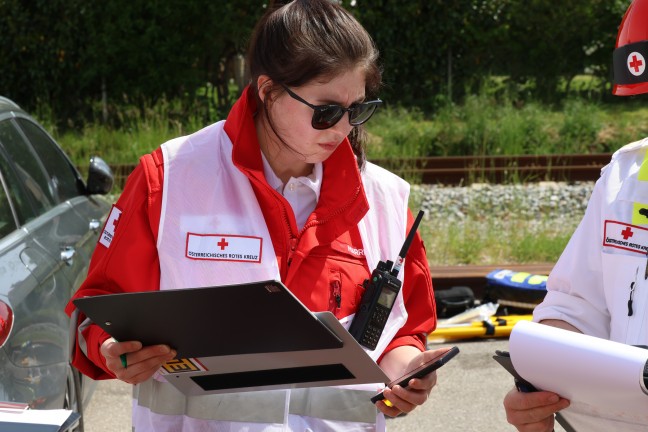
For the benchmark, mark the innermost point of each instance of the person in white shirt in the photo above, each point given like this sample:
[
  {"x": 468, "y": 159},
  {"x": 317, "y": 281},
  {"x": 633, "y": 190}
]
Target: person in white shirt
[{"x": 599, "y": 285}]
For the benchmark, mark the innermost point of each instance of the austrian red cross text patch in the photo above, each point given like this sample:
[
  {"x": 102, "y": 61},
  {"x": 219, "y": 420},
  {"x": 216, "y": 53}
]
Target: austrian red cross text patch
[
  {"x": 224, "y": 247},
  {"x": 625, "y": 236}
]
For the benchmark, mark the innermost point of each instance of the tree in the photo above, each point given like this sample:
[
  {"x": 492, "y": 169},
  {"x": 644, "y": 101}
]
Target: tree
[
  {"x": 41, "y": 56},
  {"x": 68, "y": 53},
  {"x": 547, "y": 42},
  {"x": 146, "y": 50}
]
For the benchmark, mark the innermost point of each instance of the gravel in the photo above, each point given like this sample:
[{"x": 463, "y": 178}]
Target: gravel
[{"x": 543, "y": 200}]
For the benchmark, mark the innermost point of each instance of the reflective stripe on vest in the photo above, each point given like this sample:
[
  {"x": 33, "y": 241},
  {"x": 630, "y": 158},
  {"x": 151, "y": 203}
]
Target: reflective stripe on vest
[
  {"x": 332, "y": 404},
  {"x": 327, "y": 403},
  {"x": 255, "y": 407}
]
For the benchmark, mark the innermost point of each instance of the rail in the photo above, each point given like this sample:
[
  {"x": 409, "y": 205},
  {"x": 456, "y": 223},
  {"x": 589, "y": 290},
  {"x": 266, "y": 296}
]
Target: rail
[
  {"x": 464, "y": 170},
  {"x": 456, "y": 170}
]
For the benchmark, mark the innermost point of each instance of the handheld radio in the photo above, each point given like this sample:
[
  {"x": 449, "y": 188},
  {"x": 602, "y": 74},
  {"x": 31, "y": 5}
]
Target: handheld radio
[{"x": 379, "y": 296}]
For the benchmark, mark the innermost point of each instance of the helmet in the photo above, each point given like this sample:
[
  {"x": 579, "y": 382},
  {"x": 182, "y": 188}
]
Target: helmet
[{"x": 631, "y": 52}]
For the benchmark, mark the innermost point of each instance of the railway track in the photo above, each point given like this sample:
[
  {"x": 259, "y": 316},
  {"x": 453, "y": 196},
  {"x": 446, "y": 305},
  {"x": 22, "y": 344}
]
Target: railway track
[{"x": 464, "y": 170}]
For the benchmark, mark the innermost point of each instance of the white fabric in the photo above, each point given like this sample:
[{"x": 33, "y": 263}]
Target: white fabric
[
  {"x": 206, "y": 195},
  {"x": 201, "y": 178},
  {"x": 589, "y": 287},
  {"x": 302, "y": 193}
]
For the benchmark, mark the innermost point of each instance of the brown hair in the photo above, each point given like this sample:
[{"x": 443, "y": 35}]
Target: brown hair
[{"x": 304, "y": 40}]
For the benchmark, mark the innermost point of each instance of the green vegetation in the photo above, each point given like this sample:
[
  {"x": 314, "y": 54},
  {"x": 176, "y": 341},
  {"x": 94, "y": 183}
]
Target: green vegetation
[
  {"x": 143, "y": 130},
  {"x": 488, "y": 123},
  {"x": 495, "y": 241}
]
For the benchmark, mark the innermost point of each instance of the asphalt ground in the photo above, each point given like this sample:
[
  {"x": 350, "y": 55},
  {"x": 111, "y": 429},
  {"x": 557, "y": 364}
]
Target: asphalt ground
[{"x": 468, "y": 397}]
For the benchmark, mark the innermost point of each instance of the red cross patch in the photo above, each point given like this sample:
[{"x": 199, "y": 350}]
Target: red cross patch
[
  {"x": 636, "y": 63},
  {"x": 625, "y": 236}
]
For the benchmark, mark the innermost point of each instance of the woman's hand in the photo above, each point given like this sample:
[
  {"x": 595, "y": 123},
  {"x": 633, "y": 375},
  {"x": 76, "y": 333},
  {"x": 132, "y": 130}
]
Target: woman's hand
[
  {"x": 405, "y": 399},
  {"x": 533, "y": 412},
  {"x": 138, "y": 363}
]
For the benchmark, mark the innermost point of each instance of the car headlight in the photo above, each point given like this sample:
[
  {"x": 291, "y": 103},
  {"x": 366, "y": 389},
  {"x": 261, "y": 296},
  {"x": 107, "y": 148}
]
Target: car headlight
[{"x": 6, "y": 322}]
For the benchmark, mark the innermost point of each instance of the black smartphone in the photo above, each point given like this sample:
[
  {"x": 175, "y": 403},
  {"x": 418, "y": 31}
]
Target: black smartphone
[{"x": 421, "y": 371}]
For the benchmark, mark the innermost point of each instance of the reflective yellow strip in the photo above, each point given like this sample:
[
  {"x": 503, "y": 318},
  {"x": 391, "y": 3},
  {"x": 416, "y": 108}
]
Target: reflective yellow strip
[
  {"x": 638, "y": 218},
  {"x": 643, "y": 170},
  {"x": 642, "y": 175}
]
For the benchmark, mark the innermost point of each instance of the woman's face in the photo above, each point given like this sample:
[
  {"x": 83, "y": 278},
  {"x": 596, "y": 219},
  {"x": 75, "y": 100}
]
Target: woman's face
[{"x": 292, "y": 121}]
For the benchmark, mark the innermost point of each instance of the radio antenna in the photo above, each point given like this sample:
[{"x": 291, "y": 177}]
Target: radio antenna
[{"x": 406, "y": 245}]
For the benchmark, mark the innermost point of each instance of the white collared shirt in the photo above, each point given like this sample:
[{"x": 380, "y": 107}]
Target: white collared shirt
[{"x": 302, "y": 193}]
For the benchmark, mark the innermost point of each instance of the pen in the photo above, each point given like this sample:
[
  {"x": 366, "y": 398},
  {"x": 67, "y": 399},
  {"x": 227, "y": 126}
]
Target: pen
[
  {"x": 122, "y": 357},
  {"x": 646, "y": 271},
  {"x": 633, "y": 284}
]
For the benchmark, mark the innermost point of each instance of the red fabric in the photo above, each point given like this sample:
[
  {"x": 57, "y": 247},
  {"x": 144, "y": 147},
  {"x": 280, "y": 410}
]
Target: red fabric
[{"x": 316, "y": 263}]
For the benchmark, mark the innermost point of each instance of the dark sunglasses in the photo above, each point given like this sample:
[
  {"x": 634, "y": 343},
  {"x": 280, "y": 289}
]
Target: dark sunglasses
[{"x": 326, "y": 116}]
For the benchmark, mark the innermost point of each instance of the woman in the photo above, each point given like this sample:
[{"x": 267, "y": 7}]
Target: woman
[{"x": 286, "y": 167}]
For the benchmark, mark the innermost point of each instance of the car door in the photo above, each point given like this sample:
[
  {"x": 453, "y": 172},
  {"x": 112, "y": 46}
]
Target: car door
[
  {"x": 38, "y": 347},
  {"x": 77, "y": 239}
]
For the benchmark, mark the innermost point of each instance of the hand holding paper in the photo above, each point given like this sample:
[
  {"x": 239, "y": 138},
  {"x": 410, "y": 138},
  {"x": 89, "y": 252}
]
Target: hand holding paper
[{"x": 602, "y": 379}]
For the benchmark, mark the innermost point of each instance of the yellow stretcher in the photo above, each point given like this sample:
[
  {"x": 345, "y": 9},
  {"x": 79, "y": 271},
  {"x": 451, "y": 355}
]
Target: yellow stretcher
[{"x": 495, "y": 326}]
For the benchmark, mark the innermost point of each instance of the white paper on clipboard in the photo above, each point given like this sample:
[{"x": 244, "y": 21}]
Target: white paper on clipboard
[{"x": 602, "y": 379}]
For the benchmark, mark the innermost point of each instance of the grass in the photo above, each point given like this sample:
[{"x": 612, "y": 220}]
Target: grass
[
  {"x": 493, "y": 241},
  {"x": 486, "y": 124},
  {"x": 142, "y": 131}
]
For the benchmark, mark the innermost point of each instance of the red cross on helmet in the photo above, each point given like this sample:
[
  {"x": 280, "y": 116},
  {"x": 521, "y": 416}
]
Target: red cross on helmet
[{"x": 631, "y": 52}]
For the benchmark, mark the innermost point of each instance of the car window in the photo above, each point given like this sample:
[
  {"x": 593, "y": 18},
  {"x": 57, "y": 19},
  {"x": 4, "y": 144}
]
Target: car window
[
  {"x": 7, "y": 222},
  {"x": 14, "y": 192},
  {"x": 27, "y": 181},
  {"x": 64, "y": 180}
]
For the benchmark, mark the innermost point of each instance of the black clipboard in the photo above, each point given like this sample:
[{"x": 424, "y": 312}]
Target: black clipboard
[
  {"x": 260, "y": 317},
  {"x": 233, "y": 338},
  {"x": 504, "y": 359}
]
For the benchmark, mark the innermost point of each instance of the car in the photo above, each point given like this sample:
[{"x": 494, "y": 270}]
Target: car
[{"x": 50, "y": 219}]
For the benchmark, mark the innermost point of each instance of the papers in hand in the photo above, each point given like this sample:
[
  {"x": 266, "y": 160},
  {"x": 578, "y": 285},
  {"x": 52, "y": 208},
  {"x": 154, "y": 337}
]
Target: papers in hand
[{"x": 602, "y": 379}]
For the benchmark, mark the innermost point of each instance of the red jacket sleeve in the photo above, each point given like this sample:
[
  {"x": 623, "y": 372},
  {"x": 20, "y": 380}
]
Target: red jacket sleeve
[
  {"x": 130, "y": 263},
  {"x": 418, "y": 296}
]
